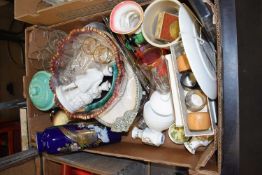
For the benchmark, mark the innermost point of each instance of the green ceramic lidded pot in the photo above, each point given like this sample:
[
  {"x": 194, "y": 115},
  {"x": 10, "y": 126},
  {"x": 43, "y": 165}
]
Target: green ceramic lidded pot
[{"x": 40, "y": 93}]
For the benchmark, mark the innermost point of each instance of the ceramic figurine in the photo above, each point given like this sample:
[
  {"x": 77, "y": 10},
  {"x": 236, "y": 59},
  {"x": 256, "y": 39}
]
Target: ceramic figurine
[
  {"x": 196, "y": 142},
  {"x": 80, "y": 65},
  {"x": 83, "y": 91},
  {"x": 158, "y": 112},
  {"x": 74, "y": 137},
  {"x": 92, "y": 78},
  {"x": 149, "y": 136}
]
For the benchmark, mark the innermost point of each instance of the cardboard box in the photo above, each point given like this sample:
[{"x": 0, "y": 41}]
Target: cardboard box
[
  {"x": 38, "y": 12},
  {"x": 168, "y": 154}
]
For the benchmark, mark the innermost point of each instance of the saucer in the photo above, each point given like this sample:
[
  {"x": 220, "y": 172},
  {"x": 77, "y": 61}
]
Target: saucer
[{"x": 121, "y": 114}]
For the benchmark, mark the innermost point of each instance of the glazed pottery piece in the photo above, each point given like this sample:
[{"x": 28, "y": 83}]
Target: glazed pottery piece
[
  {"x": 74, "y": 137},
  {"x": 126, "y": 17},
  {"x": 177, "y": 134},
  {"x": 120, "y": 115},
  {"x": 102, "y": 101},
  {"x": 158, "y": 112},
  {"x": 40, "y": 93},
  {"x": 151, "y": 17},
  {"x": 196, "y": 142},
  {"x": 149, "y": 136}
]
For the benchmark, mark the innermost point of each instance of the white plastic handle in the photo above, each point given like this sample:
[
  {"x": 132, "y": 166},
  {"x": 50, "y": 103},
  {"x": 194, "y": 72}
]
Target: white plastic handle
[{"x": 176, "y": 91}]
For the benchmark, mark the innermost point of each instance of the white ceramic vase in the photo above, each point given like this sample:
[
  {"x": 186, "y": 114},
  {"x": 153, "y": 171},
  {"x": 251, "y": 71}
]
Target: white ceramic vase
[
  {"x": 158, "y": 112},
  {"x": 149, "y": 136}
]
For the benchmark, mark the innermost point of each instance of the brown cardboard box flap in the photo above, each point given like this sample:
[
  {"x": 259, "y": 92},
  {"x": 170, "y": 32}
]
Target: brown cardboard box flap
[
  {"x": 208, "y": 153},
  {"x": 25, "y": 86},
  {"x": 32, "y": 12},
  {"x": 139, "y": 151},
  {"x": 211, "y": 168}
]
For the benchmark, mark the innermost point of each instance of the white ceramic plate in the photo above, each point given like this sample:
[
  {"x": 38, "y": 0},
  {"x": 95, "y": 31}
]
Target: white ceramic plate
[{"x": 201, "y": 56}]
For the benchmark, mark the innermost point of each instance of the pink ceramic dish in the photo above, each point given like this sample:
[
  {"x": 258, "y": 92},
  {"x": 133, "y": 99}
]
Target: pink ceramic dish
[{"x": 126, "y": 17}]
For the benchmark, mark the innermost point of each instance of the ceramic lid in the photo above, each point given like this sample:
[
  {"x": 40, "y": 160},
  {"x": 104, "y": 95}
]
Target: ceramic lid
[
  {"x": 161, "y": 103},
  {"x": 200, "y": 53},
  {"x": 40, "y": 92}
]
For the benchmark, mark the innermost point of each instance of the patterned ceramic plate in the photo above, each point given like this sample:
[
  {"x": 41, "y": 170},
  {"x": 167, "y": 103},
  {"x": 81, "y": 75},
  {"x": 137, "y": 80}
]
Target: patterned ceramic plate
[{"x": 122, "y": 113}]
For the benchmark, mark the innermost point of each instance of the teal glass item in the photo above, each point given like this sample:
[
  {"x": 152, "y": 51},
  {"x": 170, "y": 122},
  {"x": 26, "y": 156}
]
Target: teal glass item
[
  {"x": 102, "y": 102},
  {"x": 40, "y": 93}
]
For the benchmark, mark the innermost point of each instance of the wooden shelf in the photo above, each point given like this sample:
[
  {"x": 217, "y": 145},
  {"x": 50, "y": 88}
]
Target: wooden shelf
[
  {"x": 164, "y": 155},
  {"x": 97, "y": 164}
]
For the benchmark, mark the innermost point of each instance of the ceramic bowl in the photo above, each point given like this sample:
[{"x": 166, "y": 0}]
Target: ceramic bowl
[
  {"x": 177, "y": 134},
  {"x": 126, "y": 17},
  {"x": 151, "y": 17}
]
